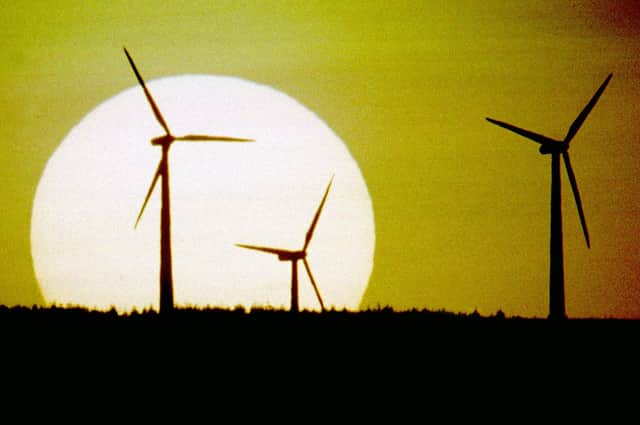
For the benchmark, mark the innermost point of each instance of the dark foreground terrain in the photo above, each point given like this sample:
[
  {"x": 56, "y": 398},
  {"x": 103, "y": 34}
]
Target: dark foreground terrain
[
  {"x": 382, "y": 327},
  {"x": 275, "y": 346}
]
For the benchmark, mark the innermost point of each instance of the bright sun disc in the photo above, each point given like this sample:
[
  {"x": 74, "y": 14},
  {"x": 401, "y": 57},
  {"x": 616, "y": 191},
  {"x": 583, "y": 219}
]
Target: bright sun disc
[{"x": 85, "y": 248}]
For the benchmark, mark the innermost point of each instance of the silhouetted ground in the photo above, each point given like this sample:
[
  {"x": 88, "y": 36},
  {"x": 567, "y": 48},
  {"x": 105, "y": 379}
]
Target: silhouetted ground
[
  {"x": 366, "y": 327},
  {"x": 275, "y": 346}
]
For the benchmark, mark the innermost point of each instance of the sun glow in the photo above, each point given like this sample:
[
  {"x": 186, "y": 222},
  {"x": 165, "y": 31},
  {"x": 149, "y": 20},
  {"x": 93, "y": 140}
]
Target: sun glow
[{"x": 85, "y": 248}]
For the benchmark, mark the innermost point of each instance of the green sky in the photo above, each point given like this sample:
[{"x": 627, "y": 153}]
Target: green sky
[{"x": 461, "y": 207}]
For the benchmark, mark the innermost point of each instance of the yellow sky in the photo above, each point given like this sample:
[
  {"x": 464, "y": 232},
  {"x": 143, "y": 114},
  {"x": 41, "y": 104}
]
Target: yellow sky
[{"x": 461, "y": 207}]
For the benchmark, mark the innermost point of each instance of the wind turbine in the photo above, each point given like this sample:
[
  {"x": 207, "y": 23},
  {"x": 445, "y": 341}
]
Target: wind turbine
[
  {"x": 165, "y": 141},
  {"x": 559, "y": 148},
  {"x": 295, "y": 256}
]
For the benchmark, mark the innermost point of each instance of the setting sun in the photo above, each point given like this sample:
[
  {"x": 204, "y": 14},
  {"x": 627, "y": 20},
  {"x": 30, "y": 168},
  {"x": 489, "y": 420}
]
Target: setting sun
[{"x": 87, "y": 252}]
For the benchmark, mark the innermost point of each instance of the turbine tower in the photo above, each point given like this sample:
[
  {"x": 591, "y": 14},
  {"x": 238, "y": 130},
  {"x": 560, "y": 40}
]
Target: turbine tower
[
  {"x": 295, "y": 256},
  {"x": 165, "y": 141},
  {"x": 558, "y": 149}
]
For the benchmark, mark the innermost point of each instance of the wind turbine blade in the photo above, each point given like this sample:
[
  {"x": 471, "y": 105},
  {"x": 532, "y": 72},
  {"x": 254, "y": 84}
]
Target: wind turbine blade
[
  {"x": 538, "y": 138},
  {"x": 313, "y": 282},
  {"x": 146, "y": 199},
  {"x": 156, "y": 111},
  {"x": 583, "y": 115},
  {"x": 275, "y": 251},
  {"x": 309, "y": 235},
  {"x": 576, "y": 195},
  {"x": 206, "y": 138}
]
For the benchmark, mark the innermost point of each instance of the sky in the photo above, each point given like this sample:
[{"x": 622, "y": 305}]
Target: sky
[{"x": 461, "y": 207}]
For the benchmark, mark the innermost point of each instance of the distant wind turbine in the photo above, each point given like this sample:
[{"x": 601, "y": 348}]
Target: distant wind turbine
[
  {"x": 557, "y": 148},
  {"x": 165, "y": 141},
  {"x": 295, "y": 256}
]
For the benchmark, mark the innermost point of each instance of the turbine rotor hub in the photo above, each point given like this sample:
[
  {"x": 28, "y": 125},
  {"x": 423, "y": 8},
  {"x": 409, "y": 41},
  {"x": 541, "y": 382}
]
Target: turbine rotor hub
[
  {"x": 556, "y": 147},
  {"x": 292, "y": 256},
  {"x": 165, "y": 140}
]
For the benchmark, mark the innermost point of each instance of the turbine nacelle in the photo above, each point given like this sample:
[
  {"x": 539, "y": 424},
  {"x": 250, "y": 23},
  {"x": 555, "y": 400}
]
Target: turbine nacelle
[
  {"x": 553, "y": 147},
  {"x": 292, "y": 256},
  {"x": 165, "y": 140}
]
